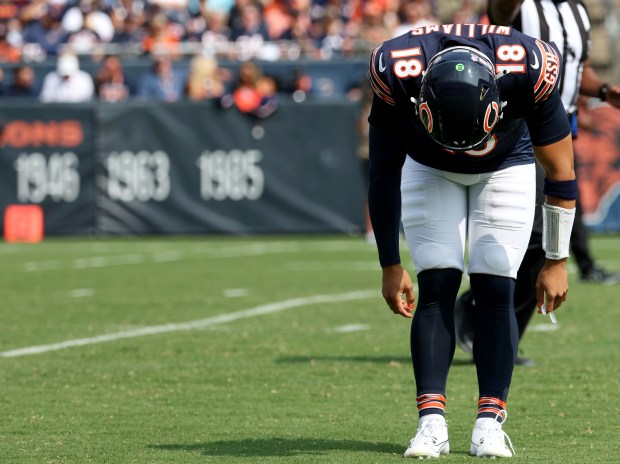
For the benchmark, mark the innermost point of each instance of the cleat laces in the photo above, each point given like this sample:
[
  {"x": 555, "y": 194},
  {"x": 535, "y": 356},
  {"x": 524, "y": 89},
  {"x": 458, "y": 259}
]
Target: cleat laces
[
  {"x": 496, "y": 432},
  {"x": 425, "y": 432}
]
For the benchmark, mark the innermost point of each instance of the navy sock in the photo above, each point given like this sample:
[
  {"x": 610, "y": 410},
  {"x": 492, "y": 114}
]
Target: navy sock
[
  {"x": 491, "y": 407},
  {"x": 431, "y": 403}
]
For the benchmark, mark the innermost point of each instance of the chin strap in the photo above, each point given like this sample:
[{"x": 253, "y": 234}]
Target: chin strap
[
  {"x": 503, "y": 104},
  {"x": 415, "y": 105}
]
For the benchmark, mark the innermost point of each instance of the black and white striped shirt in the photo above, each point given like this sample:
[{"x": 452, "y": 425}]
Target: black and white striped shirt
[{"x": 566, "y": 23}]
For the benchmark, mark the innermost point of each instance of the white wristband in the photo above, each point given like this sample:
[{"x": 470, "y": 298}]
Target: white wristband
[{"x": 557, "y": 227}]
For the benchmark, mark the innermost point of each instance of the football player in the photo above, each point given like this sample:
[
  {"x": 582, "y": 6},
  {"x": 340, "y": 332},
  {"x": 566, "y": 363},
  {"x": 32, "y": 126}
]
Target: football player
[{"x": 459, "y": 115}]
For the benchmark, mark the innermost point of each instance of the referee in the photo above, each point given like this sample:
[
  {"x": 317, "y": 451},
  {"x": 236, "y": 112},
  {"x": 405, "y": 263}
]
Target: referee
[{"x": 565, "y": 22}]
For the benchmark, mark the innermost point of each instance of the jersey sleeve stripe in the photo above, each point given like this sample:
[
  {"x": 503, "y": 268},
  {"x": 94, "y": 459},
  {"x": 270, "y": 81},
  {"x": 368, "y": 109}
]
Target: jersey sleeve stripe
[
  {"x": 543, "y": 66},
  {"x": 380, "y": 94},
  {"x": 546, "y": 90},
  {"x": 373, "y": 72},
  {"x": 549, "y": 72}
]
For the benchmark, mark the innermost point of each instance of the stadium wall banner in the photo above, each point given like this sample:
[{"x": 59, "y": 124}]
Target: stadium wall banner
[
  {"x": 183, "y": 168},
  {"x": 47, "y": 159},
  {"x": 195, "y": 168}
]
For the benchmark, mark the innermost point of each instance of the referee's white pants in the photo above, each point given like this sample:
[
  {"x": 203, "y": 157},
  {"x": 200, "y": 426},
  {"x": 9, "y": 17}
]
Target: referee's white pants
[{"x": 492, "y": 212}]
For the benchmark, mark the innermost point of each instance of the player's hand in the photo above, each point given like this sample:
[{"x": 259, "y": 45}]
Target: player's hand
[
  {"x": 552, "y": 285},
  {"x": 396, "y": 282},
  {"x": 613, "y": 95}
]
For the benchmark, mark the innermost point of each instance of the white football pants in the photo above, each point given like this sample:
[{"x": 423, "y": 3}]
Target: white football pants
[{"x": 492, "y": 211}]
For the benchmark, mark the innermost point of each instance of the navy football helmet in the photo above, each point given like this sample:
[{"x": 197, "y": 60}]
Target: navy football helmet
[{"x": 459, "y": 101}]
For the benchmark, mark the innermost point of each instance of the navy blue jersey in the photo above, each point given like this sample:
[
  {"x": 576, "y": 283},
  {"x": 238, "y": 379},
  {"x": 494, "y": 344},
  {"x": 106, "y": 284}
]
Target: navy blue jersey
[{"x": 528, "y": 71}]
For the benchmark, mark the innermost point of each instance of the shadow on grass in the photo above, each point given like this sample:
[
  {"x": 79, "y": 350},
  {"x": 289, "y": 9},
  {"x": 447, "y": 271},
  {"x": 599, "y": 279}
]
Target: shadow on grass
[
  {"x": 280, "y": 447},
  {"x": 370, "y": 359}
]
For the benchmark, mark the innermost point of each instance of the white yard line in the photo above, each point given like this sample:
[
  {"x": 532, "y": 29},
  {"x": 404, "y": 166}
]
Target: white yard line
[
  {"x": 164, "y": 256},
  {"x": 350, "y": 328},
  {"x": 344, "y": 266},
  {"x": 235, "y": 292},
  {"x": 543, "y": 327},
  {"x": 82, "y": 293},
  {"x": 197, "y": 324}
]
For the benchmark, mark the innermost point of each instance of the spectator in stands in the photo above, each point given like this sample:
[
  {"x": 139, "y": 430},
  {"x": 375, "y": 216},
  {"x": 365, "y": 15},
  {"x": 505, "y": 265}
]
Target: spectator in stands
[
  {"x": 251, "y": 24},
  {"x": 299, "y": 86},
  {"x": 161, "y": 37},
  {"x": 34, "y": 11},
  {"x": 376, "y": 26},
  {"x": 253, "y": 93},
  {"x": 177, "y": 11},
  {"x": 88, "y": 15},
  {"x": 8, "y": 52},
  {"x": 120, "y": 9},
  {"x": 68, "y": 83},
  {"x": 216, "y": 37},
  {"x": 163, "y": 82},
  {"x": 195, "y": 26},
  {"x": 8, "y": 10},
  {"x": 205, "y": 79},
  {"x": 85, "y": 39},
  {"x": 302, "y": 22},
  {"x": 467, "y": 13},
  {"x": 250, "y": 32},
  {"x": 23, "y": 83},
  {"x": 267, "y": 88},
  {"x": 244, "y": 95},
  {"x": 128, "y": 30},
  {"x": 14, "y": 33},
  {"x": 235, "y": 13},
  {"x": 43, "y": 27},
  {"x": 110, "y": 85},
  {"x": 219, "y": 6},
  {"x": 414, "y": 13},
  {"x": 278, "y": 20},
  {"x": 325, "y": 32}
]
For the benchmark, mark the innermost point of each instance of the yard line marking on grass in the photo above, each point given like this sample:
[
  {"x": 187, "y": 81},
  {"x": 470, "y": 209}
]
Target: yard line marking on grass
[
  {"x": 81, "y": 292},
  {"x": 252, "y": 249},
  {"x": 104, "y": 261},
  {"x": 235, "y": 292},
  {"x": 165, "y": 256},
  {"x": 34, "y": 266},
  {"x": 348, "y": 328},
  {"x": 544, "y": 328},
  {"x": 197, "y": 324},
  {"x": 85, "y": 263},
  {"x": 345, "y": 266}
]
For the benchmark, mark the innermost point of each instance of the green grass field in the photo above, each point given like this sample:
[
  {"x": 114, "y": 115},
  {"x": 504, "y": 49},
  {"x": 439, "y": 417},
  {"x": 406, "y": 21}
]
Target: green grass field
[{"x": 271, "y": 350}]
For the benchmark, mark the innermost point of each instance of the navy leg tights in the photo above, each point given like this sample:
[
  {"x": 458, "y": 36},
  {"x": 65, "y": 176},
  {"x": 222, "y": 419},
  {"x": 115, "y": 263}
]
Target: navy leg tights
[
  {"x": 432, "y": 329},
  {"x": 496, "y": 334}
]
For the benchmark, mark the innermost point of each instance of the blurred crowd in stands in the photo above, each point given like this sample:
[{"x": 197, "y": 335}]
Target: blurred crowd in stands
[{"x": 203, "y": 33}]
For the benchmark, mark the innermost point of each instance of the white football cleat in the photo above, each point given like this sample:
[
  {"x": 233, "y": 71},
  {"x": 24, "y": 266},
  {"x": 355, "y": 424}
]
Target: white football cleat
[
  {"x": 488, "y": 440},
  {"x": 431, "y": 438}
]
